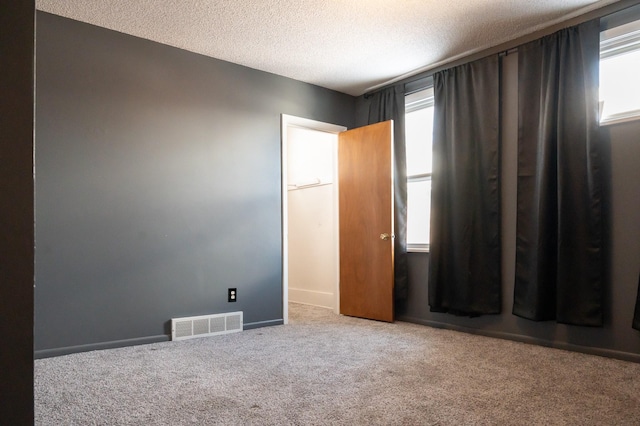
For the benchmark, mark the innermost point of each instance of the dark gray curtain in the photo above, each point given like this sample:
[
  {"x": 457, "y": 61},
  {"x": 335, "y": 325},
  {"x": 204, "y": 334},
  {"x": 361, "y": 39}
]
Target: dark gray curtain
[
  {"x": 388, "y": 104},
  {"x": 464, "y": 274},
  {"x": 559, "y": 261}
]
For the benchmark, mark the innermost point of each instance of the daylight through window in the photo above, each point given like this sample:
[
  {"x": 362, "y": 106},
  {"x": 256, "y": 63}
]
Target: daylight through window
[
  {"x": 619, "y": 73},
  {"x": 418, "y": 136}
]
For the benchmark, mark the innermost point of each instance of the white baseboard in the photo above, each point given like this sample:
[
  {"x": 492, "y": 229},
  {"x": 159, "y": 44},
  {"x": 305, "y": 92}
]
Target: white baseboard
[{"x": 314, "y": 298}]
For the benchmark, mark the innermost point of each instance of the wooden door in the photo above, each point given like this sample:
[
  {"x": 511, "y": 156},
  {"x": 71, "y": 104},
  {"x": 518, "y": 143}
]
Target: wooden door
[{"x": 366, "y": 221}]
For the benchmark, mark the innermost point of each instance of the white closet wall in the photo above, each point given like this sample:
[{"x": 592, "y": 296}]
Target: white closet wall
[{"x": 312, "y": 211}]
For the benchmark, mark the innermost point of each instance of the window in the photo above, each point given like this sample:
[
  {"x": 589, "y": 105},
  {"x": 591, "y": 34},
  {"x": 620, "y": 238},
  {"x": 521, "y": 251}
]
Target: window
[
  {"x": 418, "y": 137},
  {"x": 619, "y": 71}
]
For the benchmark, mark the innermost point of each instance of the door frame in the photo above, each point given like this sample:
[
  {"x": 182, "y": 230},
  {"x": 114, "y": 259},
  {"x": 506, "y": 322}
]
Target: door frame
[{"x": 288, "y": 121}]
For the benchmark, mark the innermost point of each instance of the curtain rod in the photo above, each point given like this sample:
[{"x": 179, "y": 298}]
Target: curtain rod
[{"x": 419, "y": 75}]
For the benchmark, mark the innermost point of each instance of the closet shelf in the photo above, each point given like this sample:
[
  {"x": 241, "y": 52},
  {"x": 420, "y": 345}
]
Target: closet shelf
[{"x": 310, "y": 183}]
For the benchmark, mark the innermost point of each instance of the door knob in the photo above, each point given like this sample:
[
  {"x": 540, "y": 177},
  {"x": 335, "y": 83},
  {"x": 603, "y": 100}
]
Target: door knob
[{"x": 385, "y": 237}]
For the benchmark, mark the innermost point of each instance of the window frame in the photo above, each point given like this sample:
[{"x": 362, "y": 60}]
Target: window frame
[
  {"x": 615, "y": 41},
  {"x": 411, "y": 105}
]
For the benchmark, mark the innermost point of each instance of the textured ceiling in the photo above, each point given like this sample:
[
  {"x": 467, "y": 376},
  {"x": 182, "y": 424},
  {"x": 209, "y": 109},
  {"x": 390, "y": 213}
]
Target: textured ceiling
[{"x": 345, "y": 45}]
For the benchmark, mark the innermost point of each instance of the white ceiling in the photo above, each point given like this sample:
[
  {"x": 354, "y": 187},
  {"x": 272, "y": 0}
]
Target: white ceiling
[{"x": 345, "y": 45}]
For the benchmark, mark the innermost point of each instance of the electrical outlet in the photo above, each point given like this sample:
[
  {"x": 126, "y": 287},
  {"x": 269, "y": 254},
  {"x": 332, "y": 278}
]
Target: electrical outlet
[{"x": 232, "y": 294}]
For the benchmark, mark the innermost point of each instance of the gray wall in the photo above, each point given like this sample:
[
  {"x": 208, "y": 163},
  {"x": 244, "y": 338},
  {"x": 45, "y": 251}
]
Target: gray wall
[
  {"x": 16, "y": 211},
  {"x": 622, "y": 146},
  {"x": 157, "y": 186}
]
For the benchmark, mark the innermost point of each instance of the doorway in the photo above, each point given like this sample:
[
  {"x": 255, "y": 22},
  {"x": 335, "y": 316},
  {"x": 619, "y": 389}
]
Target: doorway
[{"x": 310, "y": 213}]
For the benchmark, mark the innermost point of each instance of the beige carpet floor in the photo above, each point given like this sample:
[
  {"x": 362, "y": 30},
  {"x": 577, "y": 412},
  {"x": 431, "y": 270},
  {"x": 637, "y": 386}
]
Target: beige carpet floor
[{"x": 324, "y": 369}]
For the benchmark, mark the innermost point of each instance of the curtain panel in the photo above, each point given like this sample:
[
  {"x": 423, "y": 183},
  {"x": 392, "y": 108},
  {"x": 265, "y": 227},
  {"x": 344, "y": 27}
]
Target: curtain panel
[
  {"x": 465, "y": 247},
  {"x": 559, "y": 261},
  {"x": 388, "y": 104}
]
